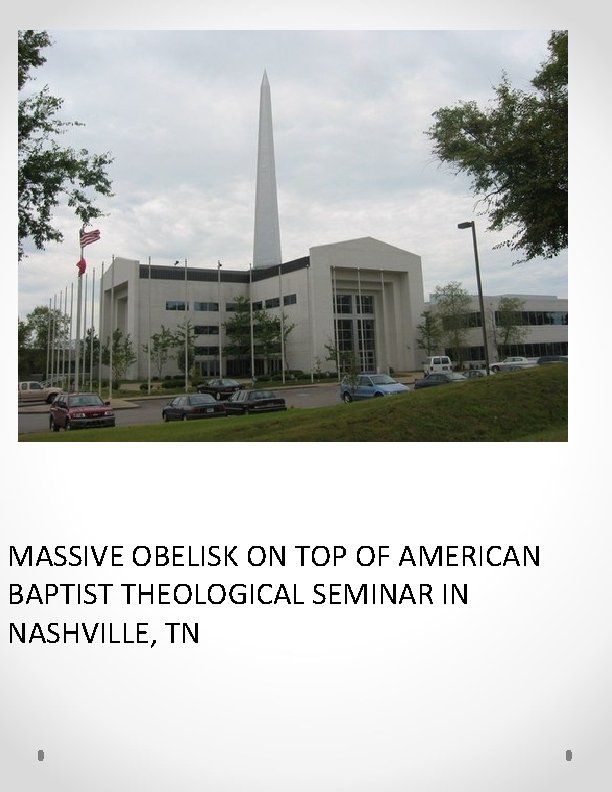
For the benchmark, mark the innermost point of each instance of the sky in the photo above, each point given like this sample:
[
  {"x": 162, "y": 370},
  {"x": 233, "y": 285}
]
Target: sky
[{"x": 178, "y": 111}]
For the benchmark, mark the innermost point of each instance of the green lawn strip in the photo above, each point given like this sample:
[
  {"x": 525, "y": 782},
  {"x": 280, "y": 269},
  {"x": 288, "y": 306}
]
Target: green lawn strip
[{"x": 524, "y": 406}]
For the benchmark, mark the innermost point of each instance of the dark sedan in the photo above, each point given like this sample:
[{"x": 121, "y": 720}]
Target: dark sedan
[
  {"x": 220, "y": 388},
  {"x": 251, "y": 401},
  {"x": 439, "y": 378},
  {"x": 79, "y": 411},
  {"x": 191, "y": 407}
]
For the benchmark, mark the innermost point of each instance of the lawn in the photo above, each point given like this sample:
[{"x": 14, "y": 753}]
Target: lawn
[{"x": 529, "y": 405}]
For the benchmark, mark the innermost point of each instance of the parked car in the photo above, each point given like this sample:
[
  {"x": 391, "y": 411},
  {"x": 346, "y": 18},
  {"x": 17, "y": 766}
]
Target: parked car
[
  {"x": 192, "y": 406},
  {"x": 514, "y": 363},
  {"x": 439, "y": 378},
  {"x": 477, "y": 373},
  {"x": 220, "y": 388},
  {"x": 250, "y": 401},
  {"x": 37, "y": 392},
  {"x": 370, "y": 386},
  {"x": 437, "y": 363},
  {"x": 546, "y": 359},
  {"x": 79, "y": 411}
]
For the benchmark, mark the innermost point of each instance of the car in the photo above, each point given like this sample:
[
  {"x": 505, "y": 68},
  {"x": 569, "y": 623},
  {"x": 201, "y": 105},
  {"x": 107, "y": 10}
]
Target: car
[
  {"x": 37, "y": 392},
  {"x": 256, "y": 400},
  {"x": 546, "y": 359},
  {"x": 477, "y": 373},
  {"x": 368, "y": 385},
  {"x": 192, "y": 406},
  {"x": 79, "y": 411},
  {"x": 439, "y": 378},
  {"x": 220, "y": 388}
]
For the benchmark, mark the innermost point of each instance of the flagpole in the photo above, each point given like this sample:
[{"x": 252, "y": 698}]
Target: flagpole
[
  {"x": 220, "y": 317},
  {"x": 251, "y": 316},
  {"x": 112, "y": 329},
  {"x": 101, "y": 326},
  {"x": 49, "y": 372},
  {"x": 282, "y": 319},
  {"x": 70, "y": 340},
  {"x": 60, "y": 339},
  {"x": 78, "y": 326},
  {"x": 149, "y": 339},
  {"x": 53, "y": 333},
  {"x": 64, "y": 337},
  {"x": 91, "y": 339},
  {"x": 186, "y": 339}
]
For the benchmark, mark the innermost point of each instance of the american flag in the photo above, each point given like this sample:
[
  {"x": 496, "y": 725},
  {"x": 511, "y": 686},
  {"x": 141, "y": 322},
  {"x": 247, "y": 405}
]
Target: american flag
[{"x": 87, "y": 237}]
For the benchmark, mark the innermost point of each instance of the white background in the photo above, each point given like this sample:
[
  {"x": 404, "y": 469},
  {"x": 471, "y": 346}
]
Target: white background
[{"x": 486, "y": 697}]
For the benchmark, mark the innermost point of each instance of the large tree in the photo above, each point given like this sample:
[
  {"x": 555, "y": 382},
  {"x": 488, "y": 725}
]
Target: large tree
[
  {"x": 48, "y": 173},
  {"x": 509, "y": 328},
  {"x": 452, "y": 305},
  {"x": 516, "y": 154}
]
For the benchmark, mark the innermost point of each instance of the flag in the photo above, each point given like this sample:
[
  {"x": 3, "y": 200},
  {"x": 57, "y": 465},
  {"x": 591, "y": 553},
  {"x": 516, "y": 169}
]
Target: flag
[{"x": 87, "y": 237}]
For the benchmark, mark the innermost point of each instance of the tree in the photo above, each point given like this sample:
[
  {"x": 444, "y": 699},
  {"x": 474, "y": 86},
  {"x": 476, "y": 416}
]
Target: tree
[
  {"x": 452, "y": 307},
  {"x": 516, "y": 154},
  {"x": 35, "y": 332},
  {"x": 47, "y": 172},
  {"x": 271, "y": 336},
  {"x": 509, "y": 329},
  {"x": 162, "y": 344},
  {"x": 122, "y": 358},
  {"x": 179, "y": 343},
  {"x": 238, "y": 330},
  {"x": 430, "y": 333}
]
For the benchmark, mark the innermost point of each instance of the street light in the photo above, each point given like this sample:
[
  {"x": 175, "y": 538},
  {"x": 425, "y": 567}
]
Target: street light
[{"x": 472, "y": 225}]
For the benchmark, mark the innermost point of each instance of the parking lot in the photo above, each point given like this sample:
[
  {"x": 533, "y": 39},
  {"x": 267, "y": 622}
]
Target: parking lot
[{"x": 35, "y": 418}]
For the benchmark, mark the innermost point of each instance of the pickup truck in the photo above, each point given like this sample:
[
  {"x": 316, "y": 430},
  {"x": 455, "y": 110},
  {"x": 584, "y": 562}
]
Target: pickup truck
[{"x": 37, "y": 392}]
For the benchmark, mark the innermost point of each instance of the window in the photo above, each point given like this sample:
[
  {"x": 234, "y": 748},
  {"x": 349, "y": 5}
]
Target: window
[
  {"x": 290, "y": 299},
  {"x": 344, "y": 304},
  {"x": 207, "y": 350},
  {"x": 365, "y": 304},
  {"x": 274, "y": 302},
  {"x": 176, "y": 305},
  {"x": 257, "y": 306},
  {"x": 231, "y": 307},
  {"x": 344, "y": 329},
  {"x": 206, "y": 329},
  {"x": 205, "y": 306}
]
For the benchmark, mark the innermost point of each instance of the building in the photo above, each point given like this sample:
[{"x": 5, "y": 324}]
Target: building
[
  {"x": 360, "y": 296},
  {"x": 542, "y": 322}
]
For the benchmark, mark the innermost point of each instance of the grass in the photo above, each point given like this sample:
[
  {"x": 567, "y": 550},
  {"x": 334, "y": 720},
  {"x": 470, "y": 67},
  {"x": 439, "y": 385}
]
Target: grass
[{"x": 526, "y": 406}]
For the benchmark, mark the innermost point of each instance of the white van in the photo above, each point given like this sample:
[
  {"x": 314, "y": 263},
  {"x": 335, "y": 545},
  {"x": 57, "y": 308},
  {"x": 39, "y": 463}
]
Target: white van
[{"x": 437, "y": 363}]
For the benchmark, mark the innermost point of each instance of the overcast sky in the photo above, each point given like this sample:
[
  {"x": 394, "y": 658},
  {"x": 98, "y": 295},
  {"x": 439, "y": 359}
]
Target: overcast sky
[{"x": 178, "y": 110}]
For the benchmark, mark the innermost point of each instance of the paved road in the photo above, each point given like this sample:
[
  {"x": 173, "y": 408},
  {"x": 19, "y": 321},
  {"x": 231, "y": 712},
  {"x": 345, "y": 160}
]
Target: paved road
[{"x": 146, "y": 411}]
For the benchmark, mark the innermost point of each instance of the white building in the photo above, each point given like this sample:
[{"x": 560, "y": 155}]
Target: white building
[
  {"x": 543, "y": 320},
  {"x": 361, "y": 296}
]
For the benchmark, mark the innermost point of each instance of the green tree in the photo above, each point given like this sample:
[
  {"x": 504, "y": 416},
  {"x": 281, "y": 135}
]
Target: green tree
[
  {"x": 123, "y": 355},
  {"x": 430, "y": 333},
  {"x": 516, "y": 154},
  {"x": 35, "y": 332},
  {"x": 184, "y": 330},
  {"x": 452, "y": 306},
  {"x": 48, "y": 173},
  {"x": 162, "y": 344},
  {"x": 271, "y": 336},
  {"x": 238, "y": 330},
  {"x": 508, "y": 326}
]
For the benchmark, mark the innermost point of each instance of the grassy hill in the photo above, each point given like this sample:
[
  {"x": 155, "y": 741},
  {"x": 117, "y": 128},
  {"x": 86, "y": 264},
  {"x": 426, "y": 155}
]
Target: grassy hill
[{"x": 529, "y": 405}]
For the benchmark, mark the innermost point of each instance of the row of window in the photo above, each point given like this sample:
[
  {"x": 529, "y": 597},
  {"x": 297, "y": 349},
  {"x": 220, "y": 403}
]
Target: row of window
[
  {"x": 522, "y": 350},
  {"x": 274, "y": 302},
  {"x": 364, "y": 303},
  {"x": 521, "y": 318}
]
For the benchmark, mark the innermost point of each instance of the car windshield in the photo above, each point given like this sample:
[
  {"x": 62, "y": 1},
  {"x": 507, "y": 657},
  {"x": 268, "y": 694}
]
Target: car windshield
[
  {"x": 382, "y": 379},
  {"x": 204, "y": 398},
  {"x": 86, "y": 401}
]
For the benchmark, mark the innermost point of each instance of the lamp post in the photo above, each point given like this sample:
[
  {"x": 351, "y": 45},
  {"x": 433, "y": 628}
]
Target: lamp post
[{"x": 472, "y": 225}]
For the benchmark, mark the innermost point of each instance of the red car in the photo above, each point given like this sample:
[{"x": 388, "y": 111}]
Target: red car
[
  {"x": 79, "y": 411},
  {"x": 220, "y": 388}
]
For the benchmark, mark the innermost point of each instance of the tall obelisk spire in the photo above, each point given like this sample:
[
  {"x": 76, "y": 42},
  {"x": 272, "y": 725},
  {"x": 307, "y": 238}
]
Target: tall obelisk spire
[{"x": 266, "y": 242}]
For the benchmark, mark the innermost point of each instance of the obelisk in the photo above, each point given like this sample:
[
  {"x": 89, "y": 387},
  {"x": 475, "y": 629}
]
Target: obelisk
[{"x": 266, "y": 240}]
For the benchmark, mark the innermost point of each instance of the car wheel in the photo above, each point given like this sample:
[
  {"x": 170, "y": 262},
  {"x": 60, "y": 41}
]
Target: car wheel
[
  {"x": 346, "y": 397},
  {"x": 52, "y": 426},
  {"x": 376, "y": 395},
  {"x": 246, "y": 411},
  {"x": 165, "y": 417},
  {"x": 184, "y": 417},
  {"x": 67, "y": 426}
]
